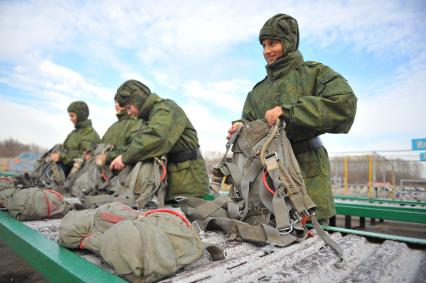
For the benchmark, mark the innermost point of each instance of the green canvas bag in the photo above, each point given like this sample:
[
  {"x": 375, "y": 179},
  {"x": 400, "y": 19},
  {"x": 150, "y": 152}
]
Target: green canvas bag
[
  {"x": 142, "y": 186},
  {"x": 162, "y": 241},
  {"x": 47, "y": 173},
  {"x": 83, "y": 229},
  {"x": 89, "y": 177},
  {"x": 35, "y": 204}
]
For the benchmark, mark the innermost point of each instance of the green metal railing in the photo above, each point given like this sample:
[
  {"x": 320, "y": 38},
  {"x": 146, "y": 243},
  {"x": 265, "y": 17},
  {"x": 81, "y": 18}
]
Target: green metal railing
[
  {"x": 376, "y": 200},
  {"x": 56, "y": 263},
  {"x": 405, "y": 214}
]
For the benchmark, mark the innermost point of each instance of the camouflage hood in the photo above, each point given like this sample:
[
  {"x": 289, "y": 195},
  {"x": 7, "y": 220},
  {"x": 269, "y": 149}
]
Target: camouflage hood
[
  {"x": 81, "y": 109},
  {"x": 133, "y": 92},
  {"x": 284, "y": 28}
]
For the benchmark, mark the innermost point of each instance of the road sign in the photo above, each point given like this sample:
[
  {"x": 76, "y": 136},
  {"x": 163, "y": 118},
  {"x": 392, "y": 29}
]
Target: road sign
[
  {"x": 422, "y": 156},
  {"x": 418, "y": 144}
]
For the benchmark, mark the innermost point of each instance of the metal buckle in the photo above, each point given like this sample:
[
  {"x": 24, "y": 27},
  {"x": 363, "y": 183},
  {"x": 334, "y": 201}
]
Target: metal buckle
[
  {"x": 180, "y": 198},
  {"x": 285, "y": 231},
  {"x": 273, "y": 154},
  {"x": 197, "y": 228}
]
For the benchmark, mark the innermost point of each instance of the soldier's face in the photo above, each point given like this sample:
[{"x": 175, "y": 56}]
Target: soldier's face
[
  {"x": 73, "y": 117},
  {"x": 132, "y": 110},
  {"x": 272, "y": 50}
]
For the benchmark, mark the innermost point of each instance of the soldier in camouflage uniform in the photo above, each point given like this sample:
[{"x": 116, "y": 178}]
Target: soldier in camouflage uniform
[
  {"x": 120, "y": 133},
  {"x": 82, "y": 138},
  {"x": 167, "y": 131},
  {"x": 310, "y": 97}
]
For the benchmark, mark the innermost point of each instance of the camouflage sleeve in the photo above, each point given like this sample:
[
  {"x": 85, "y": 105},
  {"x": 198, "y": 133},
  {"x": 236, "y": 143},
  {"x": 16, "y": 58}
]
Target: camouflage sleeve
[
  {"x": 85, "y": 141},
  {"x": 157, "y": 136},
  {"x": 132, "y": 129},
  {"x": 330, "y": 109},
  {"x": 248, "y": 114}
]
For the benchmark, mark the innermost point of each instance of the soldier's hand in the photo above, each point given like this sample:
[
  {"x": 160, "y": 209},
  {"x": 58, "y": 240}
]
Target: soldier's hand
[
  {"x": 117, "y": 164},
  {"x": 273, "y": 114},
  {"x": 100, "y": 160},
  {"x": 235, "y": 126},
  {"x": 54, "y": 156}
]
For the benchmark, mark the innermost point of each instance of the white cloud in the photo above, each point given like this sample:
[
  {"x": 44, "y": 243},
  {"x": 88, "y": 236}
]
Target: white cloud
[
  {"x": 159, "y": 42},
  {"x": 56, "y": 85},
  {"x": 229, "y": 95},
  {"x": 211, "y": 128},
  {"x": 390, "y": 119}
]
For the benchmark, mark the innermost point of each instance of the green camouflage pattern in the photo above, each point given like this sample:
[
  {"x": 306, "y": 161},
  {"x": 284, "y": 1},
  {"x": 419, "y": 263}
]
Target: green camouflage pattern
[
  {"x": 168, "y": 130},
  {"x": 120, "y": 134},
  {"x": 82, "y": 138},
  {"x": 315, "y": 100}
]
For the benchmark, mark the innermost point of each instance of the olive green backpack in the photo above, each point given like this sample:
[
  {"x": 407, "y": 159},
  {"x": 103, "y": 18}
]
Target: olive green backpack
[
  {"x": 84, "y": 228},
  {"x": 35, "y": 204},
  {"x": 142, "y": 186},
  {"x": 162, "y": 241},
  {"x": 47, "y": 173},
  {"x": 267, "y": 200},
  {"x": 7, "y": 186},
  {"x": 88, "y": 177}
]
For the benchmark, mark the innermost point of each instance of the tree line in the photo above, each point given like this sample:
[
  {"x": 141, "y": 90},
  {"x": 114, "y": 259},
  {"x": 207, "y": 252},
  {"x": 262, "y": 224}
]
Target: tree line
[{"x": 11, "y": 148}]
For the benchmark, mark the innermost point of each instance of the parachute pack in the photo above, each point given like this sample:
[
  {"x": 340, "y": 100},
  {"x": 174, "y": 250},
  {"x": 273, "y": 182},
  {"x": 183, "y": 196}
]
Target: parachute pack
[
  {"x": 47, "y": 174},
  {"x": 267, "y": 200},
  {"x": 142, "y": 246},
  {"x": 142, "y": 185}
]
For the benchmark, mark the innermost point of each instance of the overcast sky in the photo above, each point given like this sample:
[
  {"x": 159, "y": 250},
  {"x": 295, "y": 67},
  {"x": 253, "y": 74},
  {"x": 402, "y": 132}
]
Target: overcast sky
[{"x": 205, "y": 55}]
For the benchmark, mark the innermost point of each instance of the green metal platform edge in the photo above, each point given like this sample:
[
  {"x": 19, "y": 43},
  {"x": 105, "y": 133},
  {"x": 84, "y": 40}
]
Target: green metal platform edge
[
  {"x": 56, "y": 263},
  {"x": 378, "y": 200},
  {"x": 382, "y": 212},
  {"x": 373, "y": 235}
]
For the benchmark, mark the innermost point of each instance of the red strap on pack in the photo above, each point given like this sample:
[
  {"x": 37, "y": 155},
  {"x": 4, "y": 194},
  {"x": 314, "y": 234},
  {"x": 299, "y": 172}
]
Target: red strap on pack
[
  {"x": 163, "y": 166},
  {"x": 47, "y": 202},
  {"x": 304, "y": 219},
  {"x": 164, "y": 210},
  {"x": 265, "y": 182},
  {"x": 111, "y": 217},
  {"x": 104, "y": 175},
  {"x": 84, "y": 238},
  {"x": 7, "y": 179},
  {"x": 61, "y": 197}
]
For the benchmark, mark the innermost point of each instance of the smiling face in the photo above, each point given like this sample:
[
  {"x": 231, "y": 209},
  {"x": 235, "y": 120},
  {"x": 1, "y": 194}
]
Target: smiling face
[{"x": 272, "y": 50}]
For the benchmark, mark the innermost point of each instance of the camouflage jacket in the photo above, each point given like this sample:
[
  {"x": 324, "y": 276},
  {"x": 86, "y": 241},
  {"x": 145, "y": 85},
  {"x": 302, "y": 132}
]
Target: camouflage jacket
[
  {"x": 315, "y": 100},
  {"x": 120, "y": 134},
  {"x": 82, "y": 138},
  {"x": 169, "y": 131}
]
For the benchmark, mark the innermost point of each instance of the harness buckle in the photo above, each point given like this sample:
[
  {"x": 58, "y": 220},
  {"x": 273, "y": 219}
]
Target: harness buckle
[
  {"x": 197, "y": 227},
  {"x": 285, "y": 231},
  {"x": 273, "y": 154}
]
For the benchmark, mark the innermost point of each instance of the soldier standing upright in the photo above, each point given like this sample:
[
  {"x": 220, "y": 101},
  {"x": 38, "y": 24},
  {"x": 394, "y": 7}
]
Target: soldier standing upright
[{"x": 310, "y": 97}]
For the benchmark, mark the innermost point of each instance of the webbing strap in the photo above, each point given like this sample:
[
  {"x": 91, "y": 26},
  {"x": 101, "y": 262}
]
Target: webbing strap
[
  {"x": 261, "y": 234},
  {"x": 134, "y": 177},
  {"x": 282, "y": 218},
  {"x": 327, "y": 239}
]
